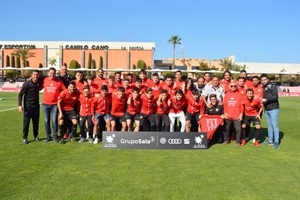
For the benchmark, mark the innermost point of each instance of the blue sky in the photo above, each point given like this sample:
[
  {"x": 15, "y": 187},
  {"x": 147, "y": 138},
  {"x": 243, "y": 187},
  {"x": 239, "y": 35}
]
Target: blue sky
[{"x": 253, "y": 31}]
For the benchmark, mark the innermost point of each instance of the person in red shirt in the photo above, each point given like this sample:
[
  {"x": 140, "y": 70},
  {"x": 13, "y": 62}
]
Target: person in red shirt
[
  {"x": 85, "y": 114},
  {"x": 225, "y": 82},
  {"x": 52, "y": 88},
  {"x": 140, "y": 86},
  {"x": 94, "y": 88},
  {"x": 148, "y": 110},
  {"x": 189, "y": 83},
  {"x": 99, "y": 79},
  {"x": 248, "y": 84},
  {"x": 162, "y": 110},
  {"x": 176, "y": 110},
  {"x": 80, "y": 82},
  {"x": 252, "y": 110},
  {"x": 178, "y": 82},
  {"x": 67, "y": 108},
  {"x": 241, "y": 87},
  {"x": 111, "y": 84},
  {"x": 168, "y": 85},
  {"x": 233, "y": 111},
  {"x": 130, "y": 78},
  {"x": 118, "y": 79},
  {"x": 126, "y": 85},
  {"x": 195, "y": 109},
  {"x": 101, "y": 107},
  {"x": 155, "y": 85},
  {"x": 119, "y": 101},
  {"x": 134, "y": 105},
  {"x": 257, "y": 87},
  {"x": 145, "y": 80}
]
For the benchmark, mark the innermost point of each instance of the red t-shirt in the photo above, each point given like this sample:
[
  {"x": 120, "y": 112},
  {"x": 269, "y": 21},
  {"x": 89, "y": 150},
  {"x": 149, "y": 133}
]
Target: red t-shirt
[
  {"x": 135, "y": 106},
  {"x": 100, "y": 81},
  {"x": 85, "y": 105},
  {"x": 79, "y": 86},
  {"x": 94, "y": 88},
  {"x": 52, "y": 89},
  {"x": 148, "y": 104},
  {"x": 180, "y": 85},
  {"x": 233, "y": 105},
  {"x": 242, "y": 90},
  {"x": 225, "y": 84},
  {"x": 177, "y": 105},
  {"x": 102, "y": 105},
  {"x": 118, "y": 105},
  {"x": 252, "y": 107},
  {"x": 163, "y": 108},
  {"x": 155, "y": 88},
  {"x": 258, "y": 91},
  {"x": 146, "y": 82},
  {"x": 67, "y": 100},
  {"x": 195, "y": 106},
  {"x": 171, "y": 89}
]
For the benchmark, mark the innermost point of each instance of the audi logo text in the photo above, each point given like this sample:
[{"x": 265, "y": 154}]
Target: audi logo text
[{"x": 174, "y": 141}]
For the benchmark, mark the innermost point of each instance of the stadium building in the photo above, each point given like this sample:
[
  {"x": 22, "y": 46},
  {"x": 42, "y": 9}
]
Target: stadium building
[{"x": 112, "y": 55}]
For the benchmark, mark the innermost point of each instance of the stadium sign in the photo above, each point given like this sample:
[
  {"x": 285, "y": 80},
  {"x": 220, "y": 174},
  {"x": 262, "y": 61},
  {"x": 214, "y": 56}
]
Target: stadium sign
[{"x": 154, "y": 140}]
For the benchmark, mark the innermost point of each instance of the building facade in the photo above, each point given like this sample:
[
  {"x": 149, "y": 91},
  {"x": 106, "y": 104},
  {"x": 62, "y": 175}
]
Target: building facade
[{"x": 110, "y": 55}]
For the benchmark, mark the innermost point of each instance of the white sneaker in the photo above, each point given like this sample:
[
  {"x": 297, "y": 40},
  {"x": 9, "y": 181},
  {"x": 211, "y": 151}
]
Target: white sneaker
[
  {"x": 87, "y": 135},
  {"x": 96, "y": 141},
  {"x": 253, "y": 140}
]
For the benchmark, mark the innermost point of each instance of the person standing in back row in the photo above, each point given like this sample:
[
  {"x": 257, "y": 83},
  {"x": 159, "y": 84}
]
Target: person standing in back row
[
  {"x": 271, "y": 104},
  {"x": 31, "y": 106}
]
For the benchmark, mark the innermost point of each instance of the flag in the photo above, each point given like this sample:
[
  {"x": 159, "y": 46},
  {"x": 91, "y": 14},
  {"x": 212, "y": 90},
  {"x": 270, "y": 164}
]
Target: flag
[{"x": 209, "y": 124}]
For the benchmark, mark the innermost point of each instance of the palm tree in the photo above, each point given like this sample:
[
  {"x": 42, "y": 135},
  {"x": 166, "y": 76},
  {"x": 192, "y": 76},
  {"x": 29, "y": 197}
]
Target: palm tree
[
  {"x": 23, "y": 54},
  {"x": 174, "y": 40},
  {"x": 227, "y": 64}
]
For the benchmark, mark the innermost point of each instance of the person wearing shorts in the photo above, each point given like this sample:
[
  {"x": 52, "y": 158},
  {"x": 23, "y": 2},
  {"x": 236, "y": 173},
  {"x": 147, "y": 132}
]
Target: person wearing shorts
[
  {"x": 252, "y": 110},
  {"x": 119, "y": 101},
  {"x": 101, "y": 112},
  {"x": 134, "y": 105}
]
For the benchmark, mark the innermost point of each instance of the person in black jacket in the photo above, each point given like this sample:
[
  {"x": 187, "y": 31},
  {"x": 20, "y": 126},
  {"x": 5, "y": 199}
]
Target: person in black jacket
[
  {"x": 31, "y": 107},
  {"x": 271, "y": 104},
  {"x": 64, "y": 76}
]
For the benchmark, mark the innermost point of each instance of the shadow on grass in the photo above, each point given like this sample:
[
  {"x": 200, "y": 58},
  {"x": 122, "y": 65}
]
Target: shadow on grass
[{"x": 218, "y": 139}]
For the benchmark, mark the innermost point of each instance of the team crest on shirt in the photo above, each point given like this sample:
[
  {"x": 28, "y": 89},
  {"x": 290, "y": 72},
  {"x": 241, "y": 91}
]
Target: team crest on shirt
[
  {"x": 259, "y": 90},
  {"x": 232, "y": 98},
  {"x": 51, "y": 84},
  {"x": 217, "y": 109}
]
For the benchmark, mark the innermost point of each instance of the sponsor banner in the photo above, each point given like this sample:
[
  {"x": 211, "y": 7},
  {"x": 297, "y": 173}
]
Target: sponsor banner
[{"x": 154, "y": 140}]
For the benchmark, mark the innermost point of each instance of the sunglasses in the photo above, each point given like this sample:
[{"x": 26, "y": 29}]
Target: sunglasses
[{"x": 233, "y": 86}]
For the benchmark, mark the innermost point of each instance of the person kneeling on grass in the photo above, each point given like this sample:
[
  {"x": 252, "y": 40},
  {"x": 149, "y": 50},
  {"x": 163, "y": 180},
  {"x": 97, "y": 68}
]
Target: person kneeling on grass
[{"x": 67, "y": 101}]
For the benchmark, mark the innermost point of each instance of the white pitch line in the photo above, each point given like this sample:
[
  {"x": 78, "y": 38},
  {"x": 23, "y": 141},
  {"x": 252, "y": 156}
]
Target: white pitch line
[{"x": 8, "y": 109}]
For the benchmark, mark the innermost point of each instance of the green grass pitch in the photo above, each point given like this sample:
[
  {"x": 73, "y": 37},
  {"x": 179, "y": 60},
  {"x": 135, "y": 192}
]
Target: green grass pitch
[{"x": 86, "y": 171}]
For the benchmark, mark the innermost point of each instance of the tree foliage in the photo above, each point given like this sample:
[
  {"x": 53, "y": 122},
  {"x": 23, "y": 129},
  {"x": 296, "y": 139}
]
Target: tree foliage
[
  {"x": 174, "y": 40},
  {"x": 101, "y": 62},
  {"x": 141, "y": 65},
  {"x": 228, "y": 64},
  {"x": 89, "y": 65},
  {"x": 23, "y": 54},
  {"x": 73, "y": 65}
]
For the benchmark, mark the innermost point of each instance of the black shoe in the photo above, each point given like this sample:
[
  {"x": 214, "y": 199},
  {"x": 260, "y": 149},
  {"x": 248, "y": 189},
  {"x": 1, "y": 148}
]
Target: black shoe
[
  {"x": 48, "y": 140},
  {"x": 37, "y": 139},
  {"x": 25, "y": 141},
  {"x": 62, "y": 141}
]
